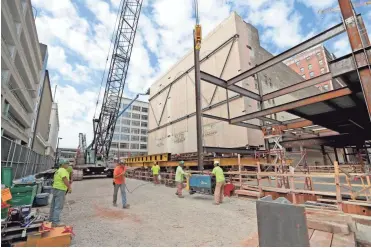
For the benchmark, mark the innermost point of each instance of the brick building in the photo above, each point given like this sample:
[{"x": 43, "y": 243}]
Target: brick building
[{"x": 313, "y": 63}]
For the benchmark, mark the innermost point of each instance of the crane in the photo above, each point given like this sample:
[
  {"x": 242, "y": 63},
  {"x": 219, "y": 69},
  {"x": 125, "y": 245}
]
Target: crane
[
  {"x": 335, "y": 9},
  {"x": 103, "y": 126}
]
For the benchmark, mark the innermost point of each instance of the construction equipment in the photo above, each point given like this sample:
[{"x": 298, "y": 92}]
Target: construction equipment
[{"x": 97, "y": 153}]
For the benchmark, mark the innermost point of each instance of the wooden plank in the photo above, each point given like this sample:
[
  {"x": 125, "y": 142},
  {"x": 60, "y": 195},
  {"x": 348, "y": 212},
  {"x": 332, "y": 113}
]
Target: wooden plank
[
  {"x": 247, "y": 193},
  {"x": 320, "y": 239},
  {"x": 343, "y": 240}
]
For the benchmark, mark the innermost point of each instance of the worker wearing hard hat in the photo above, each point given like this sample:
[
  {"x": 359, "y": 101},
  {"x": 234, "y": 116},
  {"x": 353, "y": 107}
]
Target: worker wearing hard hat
[
  {"x": 119, "y": 183},
  {"x": 179, "y": 179},
  {"x": 155, "y": 171},
  {"x": 61, "y": 185},
  {"x": 220, "y": 182}
]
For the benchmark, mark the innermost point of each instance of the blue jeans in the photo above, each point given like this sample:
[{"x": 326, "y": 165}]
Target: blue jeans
[
  {"x": 56, "y": 206},
  {"x": 123, "y": 193}
]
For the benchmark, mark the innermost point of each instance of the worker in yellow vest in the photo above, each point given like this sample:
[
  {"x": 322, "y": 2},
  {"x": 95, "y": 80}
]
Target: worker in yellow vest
[
  {"x": 220, "y": 183},
  {"x": 179, "y": 179},
  {"x": 155, "y": 171},
  {"x": 61, "y": 186}
]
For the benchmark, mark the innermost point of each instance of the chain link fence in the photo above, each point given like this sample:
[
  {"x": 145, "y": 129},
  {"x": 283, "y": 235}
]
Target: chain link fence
[{"x": 22, "y": 159}]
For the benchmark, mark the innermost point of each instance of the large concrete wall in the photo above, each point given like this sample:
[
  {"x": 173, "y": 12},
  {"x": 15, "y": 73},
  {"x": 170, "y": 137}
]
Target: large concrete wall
[{"x": 245, "y": 52}]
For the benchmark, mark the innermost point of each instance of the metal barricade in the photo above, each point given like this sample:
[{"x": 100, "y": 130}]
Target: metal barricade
[{"x": 22, "y": 159}]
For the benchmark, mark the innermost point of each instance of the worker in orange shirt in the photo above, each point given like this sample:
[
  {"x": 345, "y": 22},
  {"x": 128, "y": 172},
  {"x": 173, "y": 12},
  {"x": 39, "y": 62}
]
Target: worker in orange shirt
[{"x": 119, "y": 183}]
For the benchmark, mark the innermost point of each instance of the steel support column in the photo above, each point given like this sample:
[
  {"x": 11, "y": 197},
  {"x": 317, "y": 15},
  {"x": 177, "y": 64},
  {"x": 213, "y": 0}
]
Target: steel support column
[
  {"x": 358, "y": 42},
  {"x": 198, "y": 105}
]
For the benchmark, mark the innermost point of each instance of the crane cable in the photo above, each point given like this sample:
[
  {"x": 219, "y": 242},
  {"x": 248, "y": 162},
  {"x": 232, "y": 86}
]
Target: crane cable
[{"x": 105, "y": 66}]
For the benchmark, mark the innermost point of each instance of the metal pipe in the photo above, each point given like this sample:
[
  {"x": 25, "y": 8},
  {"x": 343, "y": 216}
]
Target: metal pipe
[{"x": 198, "y": 105}]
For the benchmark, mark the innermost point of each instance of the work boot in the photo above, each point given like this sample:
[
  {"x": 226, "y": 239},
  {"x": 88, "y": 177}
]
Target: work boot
[
  {"x": 176, "y": 193},
  {"x": 216, "y": 203},
  {"x": 58, "y": 224},
  {"x": 115, "y": 204},
  {"x": 126, "y": 206},
  {"x": 180, "y": 196}
]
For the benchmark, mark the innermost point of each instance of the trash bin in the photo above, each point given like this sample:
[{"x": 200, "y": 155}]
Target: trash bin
[
  {"x": 42, "y": 199},
  {"x": 7, "y": 176}
]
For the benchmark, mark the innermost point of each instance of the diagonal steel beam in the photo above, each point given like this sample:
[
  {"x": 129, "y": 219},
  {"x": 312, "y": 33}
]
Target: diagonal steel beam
[
  {"x": 298, "y": 86},
  {"x": 338, "y": 29},
  {"x": 214, "y": 117},
  {"x": 294, "y": 104},
  {"x": 222, "y": 72},
  {"x": 163, "y": 109},
  {"x": 222, "y": 83}
]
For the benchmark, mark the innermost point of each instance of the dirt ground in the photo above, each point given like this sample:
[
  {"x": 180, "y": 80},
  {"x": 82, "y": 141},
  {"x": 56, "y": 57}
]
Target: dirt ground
[{"x": 156, "y": 217}]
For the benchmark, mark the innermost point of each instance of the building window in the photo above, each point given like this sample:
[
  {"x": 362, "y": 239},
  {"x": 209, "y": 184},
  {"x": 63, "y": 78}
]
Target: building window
[
  {"x": 135, "y": 123},
  {"x": 126, "y": 114},
  {"x": 273, "y": 102},
  {"x": 319, "y": 54},
  {"x": 135, "y": 131},
  {"x": 134, "y": 138},
  {"x": 143, "y": 131},
  {"x": 144, "y": 124},
  {"x": 145, "y": 117},
  {"x": 320, "y": 62},
  {"x": 116, "y": 137},
  {"x": 311, "y": 74},
  {"x": 256, "y": 85},
  {"x": 310, "y": 67},
  {"x": 270, "y": 83},
  {"x": 297, "y": 63},
  {"x": 134, "y": 146},
  {"x": 125, "y": 122},
  {"x": 265, "y": 80},
  {"x": 302, "y": 69},
  {"x": 269, "y": 101},
  {"x": 125, "y": 105},
  {"x": 136, "y": 108},
  {"x": 125, "y": 137},
  {"x": 322, "y": 70},
  {"x": 135, "y": 116},
  {"x": 143, "y": 139},
  {"x": 117, "y": 128},
  {"x": 143, "y": 147},
  {"x": 125, "y": 130},
  {"x": 258, "y": 105},
  {"x": 308, "y": 58},
  {"x": 145, "y": 110},
  {"x": 325, "y": 87},
  {"x": 124, "y": 145},
  {"x": 303, "y": 76},
  {"x": 6, "y": 109}
]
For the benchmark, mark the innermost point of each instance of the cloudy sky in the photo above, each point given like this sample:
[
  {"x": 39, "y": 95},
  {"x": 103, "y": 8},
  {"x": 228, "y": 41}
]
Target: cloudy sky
[{"x": 78, "y": 34}]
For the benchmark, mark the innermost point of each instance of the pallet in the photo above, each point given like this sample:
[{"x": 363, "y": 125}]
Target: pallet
[{"x": 242, "y": 192}]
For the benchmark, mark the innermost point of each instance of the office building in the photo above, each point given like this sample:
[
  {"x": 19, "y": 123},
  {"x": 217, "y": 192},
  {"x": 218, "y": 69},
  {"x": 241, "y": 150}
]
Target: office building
[
  {"x": 130, "y": 136},
  {"x": 22, "y": 68}
]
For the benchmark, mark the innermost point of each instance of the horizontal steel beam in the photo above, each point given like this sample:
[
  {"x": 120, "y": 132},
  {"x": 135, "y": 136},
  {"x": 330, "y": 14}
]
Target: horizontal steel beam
[
  {"x": 318, "y": 39},
  {"x": 248, "y": 125},
  {"x": 298, "y": 86},
  {"x": 235, "y": 88},
  {"x": 215, "y": 117},
  {"x": 273, "y": 121},
  {"x": 209, "y": 149},
  {"x": 193, "y": 114},
  {"x": 295, "y": 104}
]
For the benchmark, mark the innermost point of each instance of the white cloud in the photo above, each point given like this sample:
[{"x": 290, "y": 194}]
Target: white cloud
[
  {"x": 319, "y": 4},
  {"x": 341, "y": 46},
  {"x": 58, "y": 62}
]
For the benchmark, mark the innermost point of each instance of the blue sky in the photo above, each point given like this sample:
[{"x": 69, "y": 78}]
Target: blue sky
[{"x": 78, "y": 34}]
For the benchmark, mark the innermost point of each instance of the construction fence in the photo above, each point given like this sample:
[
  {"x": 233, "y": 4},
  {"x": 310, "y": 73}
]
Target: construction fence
[{"x": 22, "y": 159}]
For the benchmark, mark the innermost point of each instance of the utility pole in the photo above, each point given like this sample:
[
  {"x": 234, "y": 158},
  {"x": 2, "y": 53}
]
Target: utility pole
[{"x": 197, "y": 45}]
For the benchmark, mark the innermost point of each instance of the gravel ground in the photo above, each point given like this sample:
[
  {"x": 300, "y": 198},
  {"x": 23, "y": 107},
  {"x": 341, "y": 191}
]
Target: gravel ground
[{"x": 156, "y": 217}]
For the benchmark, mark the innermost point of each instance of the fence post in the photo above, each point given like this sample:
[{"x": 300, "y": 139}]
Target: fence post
[
  {"x": 239, "y": 169},
  {"x": 258, "y": 177},
  {"x": 337, "y": 183}
]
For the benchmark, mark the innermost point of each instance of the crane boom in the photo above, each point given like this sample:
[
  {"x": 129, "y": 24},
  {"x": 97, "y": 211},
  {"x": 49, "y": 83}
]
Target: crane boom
[
  {"x": 338, "y": 8},
  {"x": 104, "y": 126}
]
